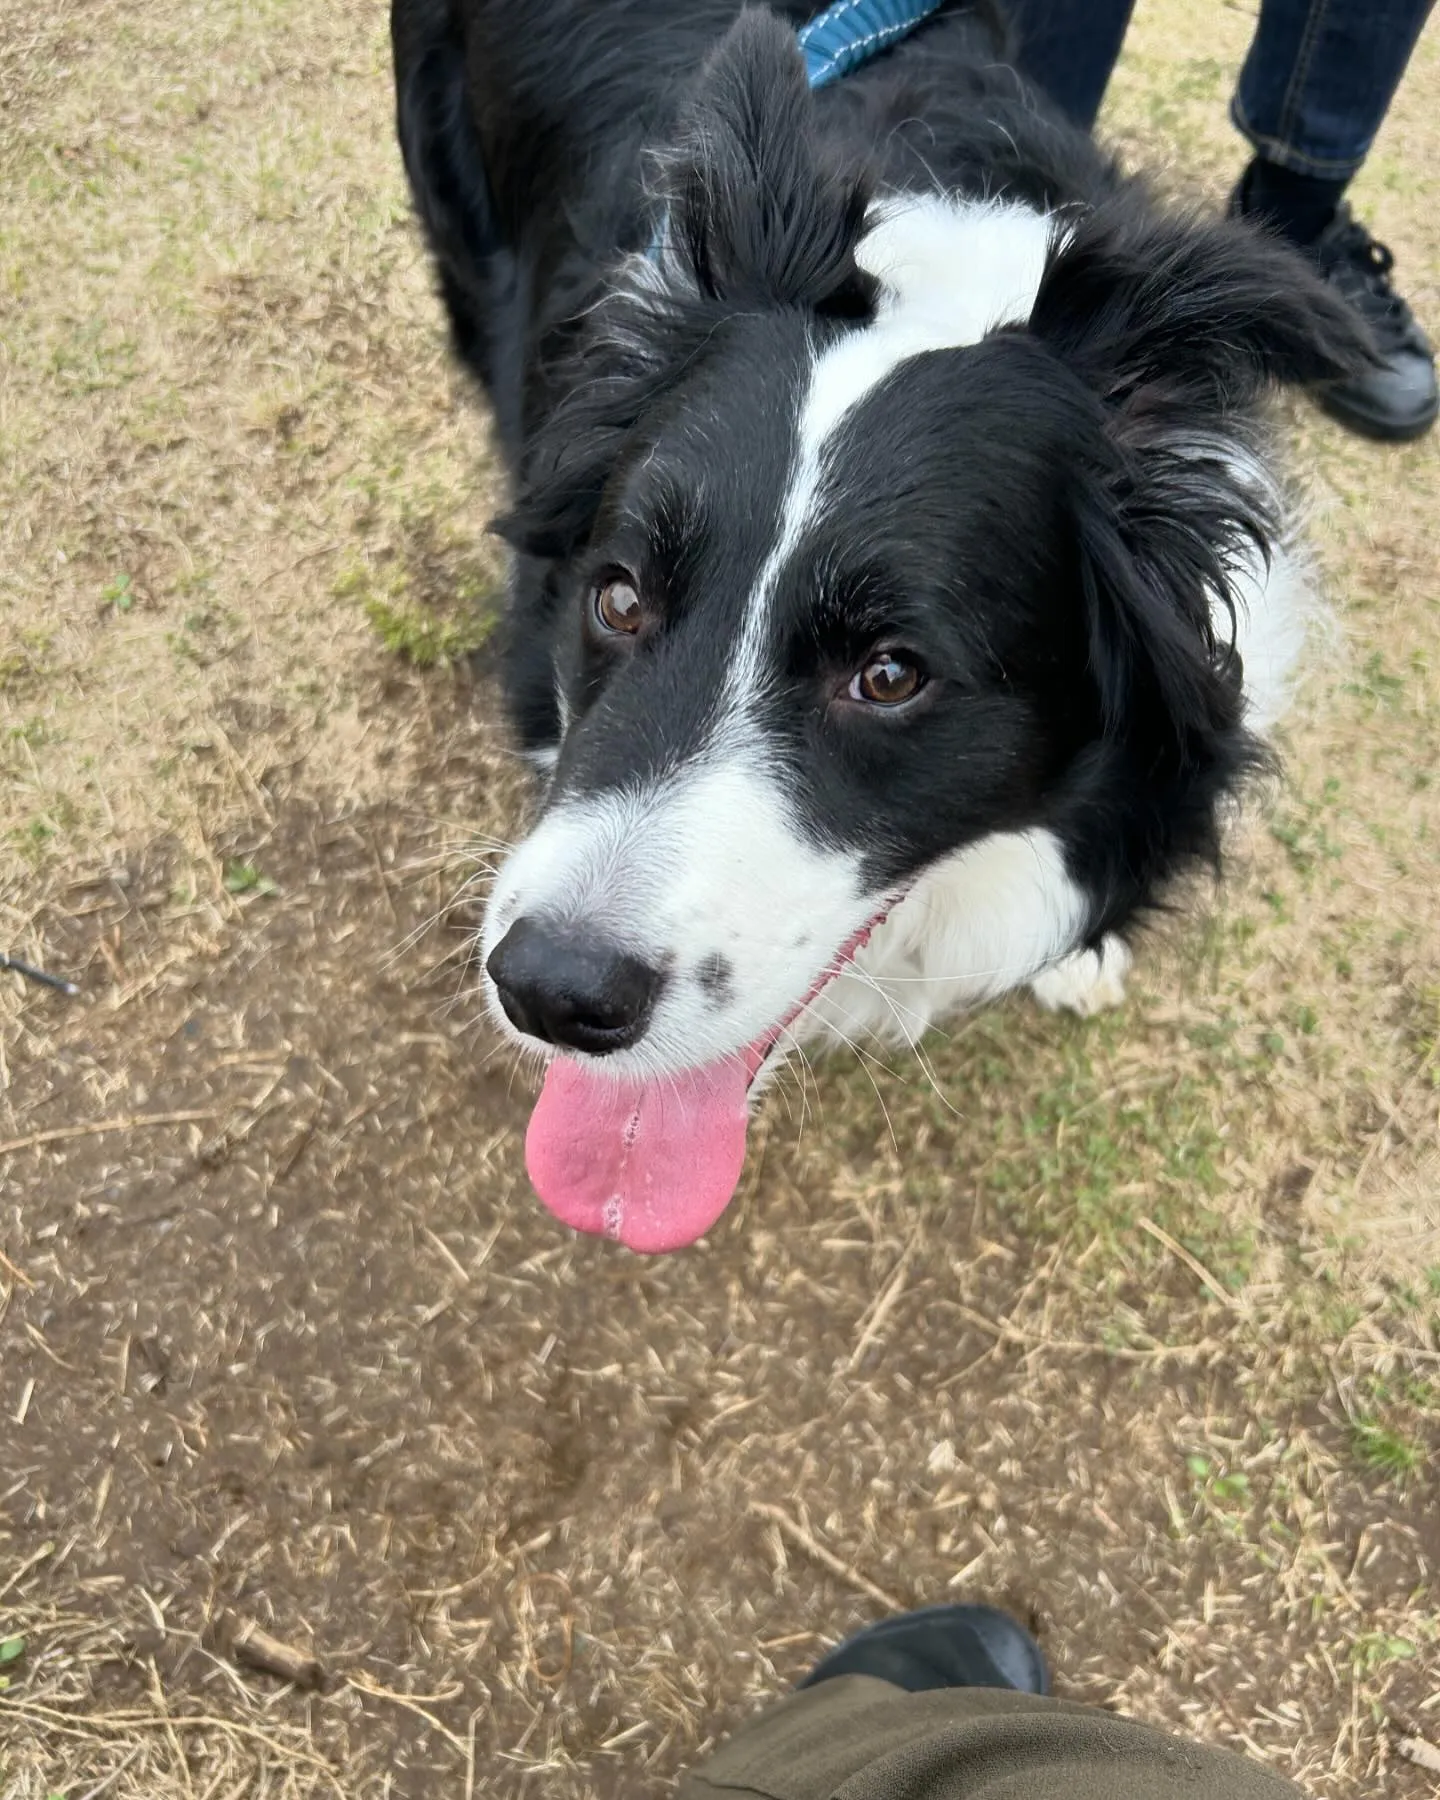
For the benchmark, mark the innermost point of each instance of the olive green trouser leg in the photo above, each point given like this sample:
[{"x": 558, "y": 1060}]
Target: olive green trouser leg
[{"x": 856, "y": 1738}]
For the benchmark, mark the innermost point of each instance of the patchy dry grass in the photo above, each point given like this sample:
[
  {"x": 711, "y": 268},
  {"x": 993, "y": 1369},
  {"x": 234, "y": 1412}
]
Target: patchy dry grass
[{"x": 1131, "y": 1324}]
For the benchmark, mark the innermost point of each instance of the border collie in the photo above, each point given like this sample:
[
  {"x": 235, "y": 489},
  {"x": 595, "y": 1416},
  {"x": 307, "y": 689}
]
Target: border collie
[{"x": 901, "y": 586}]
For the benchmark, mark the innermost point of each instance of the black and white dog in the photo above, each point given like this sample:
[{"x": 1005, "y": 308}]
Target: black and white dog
[{"x": 901, "y": 585}]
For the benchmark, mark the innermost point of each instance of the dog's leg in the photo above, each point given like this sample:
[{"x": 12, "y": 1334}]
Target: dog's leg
[
  {"x": 1085, "y": 981},
  {"x": 480, "y": 282}
]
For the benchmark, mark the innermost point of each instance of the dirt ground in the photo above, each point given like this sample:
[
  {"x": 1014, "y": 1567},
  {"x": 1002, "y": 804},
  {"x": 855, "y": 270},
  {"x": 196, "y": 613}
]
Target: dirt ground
[{"x": 1132, "y": 1325}]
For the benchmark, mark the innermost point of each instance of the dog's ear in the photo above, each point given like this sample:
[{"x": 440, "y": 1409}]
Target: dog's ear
[
  {"x": 1175, "y": 326},
  {"x": 755, "y": 214},
  {"x": 1160, "y": 539},
  {"x": 1184, "y": 315},
  {"x": 758, "y": 213}
]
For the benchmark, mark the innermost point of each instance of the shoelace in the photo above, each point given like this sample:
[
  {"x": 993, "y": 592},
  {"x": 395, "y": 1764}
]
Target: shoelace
[{"x": 1353, "y": 252}]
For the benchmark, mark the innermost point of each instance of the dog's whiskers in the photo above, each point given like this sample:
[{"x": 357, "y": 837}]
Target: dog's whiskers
[
  {"x": 912, "y": 1043},
  {"x": 864, "y": 1057}
]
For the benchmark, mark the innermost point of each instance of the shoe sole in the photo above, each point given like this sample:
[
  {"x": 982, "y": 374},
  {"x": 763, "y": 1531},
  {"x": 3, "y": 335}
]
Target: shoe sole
[{"x": 1380, "y": 431}]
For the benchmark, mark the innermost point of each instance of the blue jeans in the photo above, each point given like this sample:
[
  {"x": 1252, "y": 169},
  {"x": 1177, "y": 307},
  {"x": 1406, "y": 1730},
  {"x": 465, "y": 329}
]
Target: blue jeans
[{"x": 1314, "y": 90}]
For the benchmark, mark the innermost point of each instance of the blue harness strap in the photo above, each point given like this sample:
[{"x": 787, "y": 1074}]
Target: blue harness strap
[{"x": 850, "y": 32}]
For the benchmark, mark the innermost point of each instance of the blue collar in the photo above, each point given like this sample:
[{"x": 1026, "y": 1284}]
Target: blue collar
[
  {"x": 849, "y": 32},
  {"x": 844, "y": 37}
]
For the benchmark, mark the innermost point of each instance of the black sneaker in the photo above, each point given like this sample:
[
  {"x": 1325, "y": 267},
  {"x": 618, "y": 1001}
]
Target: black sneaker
[
  {"x": 940, "y": 1647},
  {"x": 1398, "y": 399}
]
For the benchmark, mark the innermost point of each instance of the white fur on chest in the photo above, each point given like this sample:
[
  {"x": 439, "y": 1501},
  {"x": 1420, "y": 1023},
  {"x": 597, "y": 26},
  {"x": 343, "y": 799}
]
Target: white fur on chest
[{"x": 986, "y": 919}]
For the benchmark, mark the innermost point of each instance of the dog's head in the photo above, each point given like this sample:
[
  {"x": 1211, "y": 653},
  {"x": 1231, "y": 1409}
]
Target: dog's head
[{"x": 872, "y": 526}]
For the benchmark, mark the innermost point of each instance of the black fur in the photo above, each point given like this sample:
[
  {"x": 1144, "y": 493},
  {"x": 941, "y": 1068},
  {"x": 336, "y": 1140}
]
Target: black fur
[{"x": 1046, "y": 513}]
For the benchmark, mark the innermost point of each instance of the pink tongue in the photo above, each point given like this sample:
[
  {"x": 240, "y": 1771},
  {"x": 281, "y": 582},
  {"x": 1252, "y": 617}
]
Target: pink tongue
[{"x": 653, "y": 1164}]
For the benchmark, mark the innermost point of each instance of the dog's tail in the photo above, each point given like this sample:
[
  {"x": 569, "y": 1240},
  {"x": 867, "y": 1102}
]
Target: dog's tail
[{"x": 478, "y": 268}]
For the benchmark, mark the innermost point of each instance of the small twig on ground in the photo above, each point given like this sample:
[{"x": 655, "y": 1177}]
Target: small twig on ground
[
  {"x": 93, "y": 1725},
  {"x": 240, "y": 769},
  {"x": 60, "y": 1134},
  {"x": 362, "y": 1685},
  {"x": 1192, "y": 1263},
  {"x": 547, "y": 1578},
  {"x": 827, "y": 1559},
  {"x": 114, "y": 1775},
  {"x": 299, "y": 563},
  {"x": 42, "y": 976},
  {"x": 177, "y": 1751},
  {"x": 442, "y": 1249},
  {"x": 488, "y": 1573},
  {"x": 296, "y": 1147},
  {"x": 231, "y": 1136},
  {"x": 470, "y": 1755},
  {"x": 1392, "y": 1117},
  {"x": 17, "y": 1575},
  {"x": 1419, "y": 1752},
  {"x": 253, "y": 1646},
  {"x": 15, "y": 1274},
  {"x": 1029, "y": 1341},
  {"x": 881, "y": 1308},
  {"x": 1412, "y": 1744}
]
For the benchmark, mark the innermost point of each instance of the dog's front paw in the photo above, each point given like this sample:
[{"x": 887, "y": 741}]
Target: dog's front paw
[{"x": 1086, "y": 981}]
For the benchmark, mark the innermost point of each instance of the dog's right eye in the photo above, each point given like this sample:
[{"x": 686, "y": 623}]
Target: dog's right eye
[
  {"x": 888, "y": 679},
  {"x": 617, "y": 606}
]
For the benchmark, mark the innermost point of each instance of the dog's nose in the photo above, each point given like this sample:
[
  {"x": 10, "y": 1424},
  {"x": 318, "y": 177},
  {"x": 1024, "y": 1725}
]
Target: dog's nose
[{"x": 574, "y": 991}]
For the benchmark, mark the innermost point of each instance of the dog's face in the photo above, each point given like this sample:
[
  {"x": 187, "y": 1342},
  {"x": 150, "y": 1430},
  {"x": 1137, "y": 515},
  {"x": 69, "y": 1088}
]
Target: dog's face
[
  {"x": 883, "y": 521},
  {"x": 822, "y": 632}
]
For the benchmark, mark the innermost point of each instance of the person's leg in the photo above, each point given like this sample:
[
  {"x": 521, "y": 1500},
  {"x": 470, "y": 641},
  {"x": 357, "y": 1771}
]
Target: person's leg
[
  {"x": 878, "y": 1741},
  {"x": 1313, "y": 93},
  {"x": 1068, "y": 50},
  {"x": 1319, "y": 80}
]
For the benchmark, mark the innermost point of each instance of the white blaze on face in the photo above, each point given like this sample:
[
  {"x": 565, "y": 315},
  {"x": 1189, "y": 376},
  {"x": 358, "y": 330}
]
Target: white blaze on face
[{"x": 950, "y": 272}]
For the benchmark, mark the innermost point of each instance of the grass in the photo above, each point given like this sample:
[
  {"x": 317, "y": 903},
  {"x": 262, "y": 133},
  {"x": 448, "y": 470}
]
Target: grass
[
  {"x": 1384, "y": 1450},
  {"x": 1372, "y": 1651},
  {"x": 427, "y": 596},
  {"x": 119, "y": 593},
  {"x": 27, "y": 660},
  {"x": 245, "y": 878},
  {"x": 421, "y": 639}
]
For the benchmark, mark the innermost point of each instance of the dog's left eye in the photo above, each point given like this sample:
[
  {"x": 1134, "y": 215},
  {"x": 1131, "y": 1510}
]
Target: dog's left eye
[
  {"x": 887, "y": 680},
  {"x": 618, "y": 606}
]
